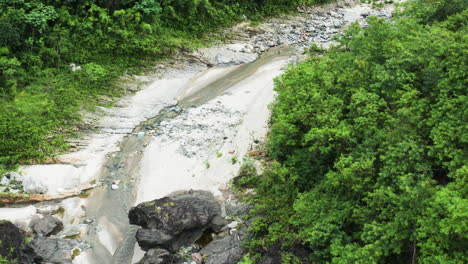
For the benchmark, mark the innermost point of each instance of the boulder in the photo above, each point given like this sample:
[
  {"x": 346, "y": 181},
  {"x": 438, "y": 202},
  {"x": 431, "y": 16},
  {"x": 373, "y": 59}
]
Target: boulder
[
  {"x": 47, "y": 225},
  {"x": 57, "y": 250},
  {"x": 176, "y": 220},
  {"x": 5, "y": 181},
  {"x": 157, "y": 256},
  {"x": 13, "y": 247},
  {"x": 226, "y": 248},
  {"x": 226, "y": 56}
]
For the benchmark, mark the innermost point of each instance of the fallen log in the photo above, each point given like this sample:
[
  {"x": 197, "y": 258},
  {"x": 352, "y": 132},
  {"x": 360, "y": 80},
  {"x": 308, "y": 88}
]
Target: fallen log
[{"x": 12, "y": 198}]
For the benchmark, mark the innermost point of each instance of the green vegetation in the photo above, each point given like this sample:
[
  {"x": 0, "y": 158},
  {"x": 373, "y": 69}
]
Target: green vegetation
[
  {"x": 4, "y": 260},
  {"x": 370, "y": 146},
  {"x": 247, "y": 175},
  {"x": 245, "y": 260},
  {"x": 40, "y": 95},
  {"x": 234, "y": 160}
]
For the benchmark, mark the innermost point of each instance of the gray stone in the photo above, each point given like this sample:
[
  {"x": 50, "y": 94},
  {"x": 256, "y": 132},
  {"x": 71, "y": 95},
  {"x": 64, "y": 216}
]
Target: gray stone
[
  {"x": 48, "y": 225},
  {"x": 197, "y": 257},
  {"x": 227, "y": 249},
  {"x": 57, "y": 250},
  {"x": 5, "y": 181},
  {"x": 48, "y": 209},
  {"x": 157, "y": 256}
]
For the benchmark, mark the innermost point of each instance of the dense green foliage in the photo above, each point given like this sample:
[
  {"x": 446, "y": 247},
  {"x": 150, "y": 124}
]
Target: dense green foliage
[
  {"x": 40, "y": 96},
  {"x": 370, "y": 145}
]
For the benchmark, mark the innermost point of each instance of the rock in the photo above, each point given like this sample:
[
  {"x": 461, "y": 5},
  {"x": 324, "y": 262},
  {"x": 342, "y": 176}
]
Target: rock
[
  {"x": 227, "y": 249},
  {"x": 69, "y": 232},
  {"x": 272, "y": 255},
  {"x": 226, "y": 56},
  {"x": 140, "y": 134},
  {"x": 57, "y": 250},
  {"x": 176, "y": 220},
  {"x": 50, "y": 178},
  {"x": 5, "y": 181},
  {"x": 151, "y": 238},
  {"x": 47, "y": 225},
  {"x": 233, "y": 225},
  {"x": 13, "y": 246},
  {"x": 197, "y": 257},
  {"x": 13, "y": 176},
  {"x": 337, "y": 24},
  {"x": 48, "y": 209},
  {"x": 73, "y": 210},
  {"x": 74, "y": 67},
  {"x": 218, "y": 222},
  {"x": 157, "y": 256}
]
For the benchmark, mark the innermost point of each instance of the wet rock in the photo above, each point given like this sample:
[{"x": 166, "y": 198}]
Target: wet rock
[
  {"x": 57, "y": 250},
  {"x": 13, "y": 246},
  {"x": 176, "y": 220},
  {"x": 47, "y": 225},
  {"x": 157, "y": 256}
]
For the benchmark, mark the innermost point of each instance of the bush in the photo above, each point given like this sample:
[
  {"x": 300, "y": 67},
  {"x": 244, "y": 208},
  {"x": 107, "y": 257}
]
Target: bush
[{"x": 247, "y": 175}]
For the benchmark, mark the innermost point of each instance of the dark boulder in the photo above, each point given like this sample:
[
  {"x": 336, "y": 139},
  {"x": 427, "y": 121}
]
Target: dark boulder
[
  {"x": 157, "y": 256},
  {"x": 13, "y": 247},
  {"x": 227, "y": 246},
  {"x": 226, "y": 249},
  {"x": 176, "y": 220}
]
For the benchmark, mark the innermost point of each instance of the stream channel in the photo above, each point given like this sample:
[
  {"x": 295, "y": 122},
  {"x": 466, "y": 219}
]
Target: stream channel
[{"x": 111, "y": 237}]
